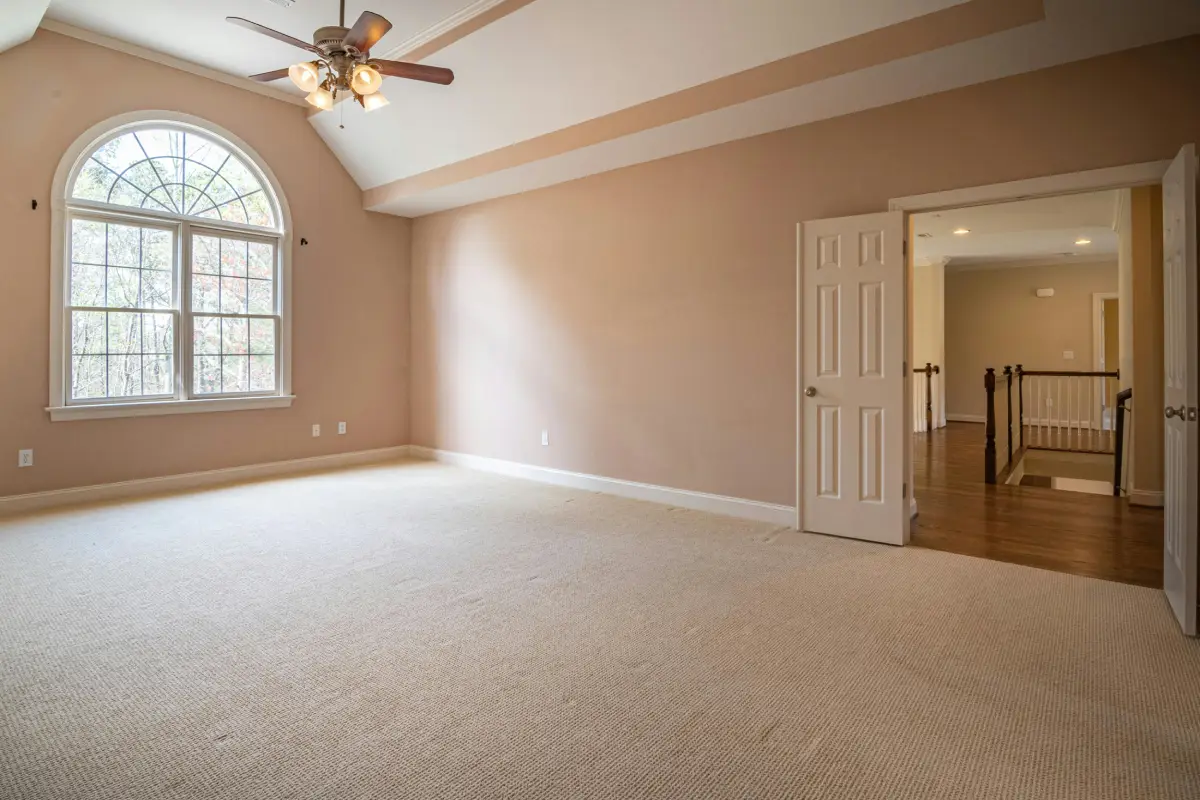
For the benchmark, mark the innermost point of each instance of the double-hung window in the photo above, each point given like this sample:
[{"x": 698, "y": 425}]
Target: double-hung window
[{"x": 171, "y": 278}]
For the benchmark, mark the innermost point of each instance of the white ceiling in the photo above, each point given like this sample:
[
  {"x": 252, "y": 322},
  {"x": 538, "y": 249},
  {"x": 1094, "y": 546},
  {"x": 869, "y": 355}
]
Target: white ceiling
[
  {"x": 1031, "y": 231},
  {"x": 553, "y": 64},
  {"x": 196, "y": 30},
  {"x": 19, "y": 20}
]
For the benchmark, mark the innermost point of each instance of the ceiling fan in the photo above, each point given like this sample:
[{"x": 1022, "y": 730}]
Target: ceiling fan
[{"x": 345, "y": 54}]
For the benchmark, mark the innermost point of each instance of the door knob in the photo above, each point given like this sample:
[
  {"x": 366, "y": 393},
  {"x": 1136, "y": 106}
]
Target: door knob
[
  {"x": 1180, "y": 412},
  {"x": 810, "y": 391}
]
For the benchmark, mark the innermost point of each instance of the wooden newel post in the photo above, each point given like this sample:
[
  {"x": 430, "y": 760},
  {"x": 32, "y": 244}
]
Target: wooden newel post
[
  {"x": 1021, "y": 402},
  {"x": 989, "y": 447},
  {"x": 1008, "y": 373},
  {"x": 928, "y": 396}
]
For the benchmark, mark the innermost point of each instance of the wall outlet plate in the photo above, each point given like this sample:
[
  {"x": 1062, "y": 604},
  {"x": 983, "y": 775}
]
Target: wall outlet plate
[
  {"x": 24, "y": 458},
  {"x": 316, "y": 431},
  {"x": 1069, "y": 355},
  {"x": 341, "y": 429},
  {"x": 545, "y": 438}
]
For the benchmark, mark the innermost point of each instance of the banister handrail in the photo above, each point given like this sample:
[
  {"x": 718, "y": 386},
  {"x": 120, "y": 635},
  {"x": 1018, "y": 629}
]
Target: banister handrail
[
  {"x": 1056, "y": 373},
  {"x": 929, "y": 370}
]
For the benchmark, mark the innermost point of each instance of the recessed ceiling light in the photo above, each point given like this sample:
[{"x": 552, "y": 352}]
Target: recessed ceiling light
[
  {"x": 961, "y": 231},
  {"x": 1083, "y": 241}
]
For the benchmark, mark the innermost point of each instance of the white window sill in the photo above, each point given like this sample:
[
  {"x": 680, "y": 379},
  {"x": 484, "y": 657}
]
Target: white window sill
[{"x": 164, "y": 407}]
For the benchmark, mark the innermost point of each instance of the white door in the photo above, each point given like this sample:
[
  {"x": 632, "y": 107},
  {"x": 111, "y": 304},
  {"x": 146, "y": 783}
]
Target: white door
[
  {"x": 854, "y": 427},
  {"x": 1181, "y": 361}
]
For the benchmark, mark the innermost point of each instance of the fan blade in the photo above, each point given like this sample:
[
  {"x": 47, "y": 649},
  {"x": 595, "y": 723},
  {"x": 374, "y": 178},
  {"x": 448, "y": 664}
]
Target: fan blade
[
  {"x": 416, "y": 72},
  {"x": 265, "y": 31},
  {"x": 273, "y": 75},
  {"x": 367, "y": 32}
]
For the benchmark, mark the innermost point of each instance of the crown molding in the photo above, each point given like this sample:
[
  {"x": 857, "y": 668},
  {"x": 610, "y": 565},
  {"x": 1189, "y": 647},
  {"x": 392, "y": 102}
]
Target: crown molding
[
  {"x": 458, "y": 25},
  {"x": 54, "y": 26},
  {"x": 1030, "y": 263}
]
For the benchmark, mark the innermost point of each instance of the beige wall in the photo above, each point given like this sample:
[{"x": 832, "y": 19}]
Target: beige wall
[
  {"x": 350, "y": 284},
  {"x": 1146, "y": 476},
  {"x": 646, "y": 316},
  {"x": 993, "y": 319},
  {"x": 929, "y": 336},
  {"x": 1112, "y": 333}
]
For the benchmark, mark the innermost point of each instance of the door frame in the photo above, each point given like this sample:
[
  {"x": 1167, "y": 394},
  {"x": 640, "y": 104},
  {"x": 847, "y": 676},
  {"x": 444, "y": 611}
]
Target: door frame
[
  {"x": 1141, "y": 174},
  {"x": 1096, "y": 412}
]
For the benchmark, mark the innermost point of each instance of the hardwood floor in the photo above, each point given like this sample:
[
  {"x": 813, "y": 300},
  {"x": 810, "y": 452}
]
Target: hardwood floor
[{"x": 1083, "y": 534}]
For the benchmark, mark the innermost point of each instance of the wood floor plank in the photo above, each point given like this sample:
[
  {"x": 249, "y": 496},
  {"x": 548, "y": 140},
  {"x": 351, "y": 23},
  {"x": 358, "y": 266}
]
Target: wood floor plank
[{"x": 1077, "y": 533}]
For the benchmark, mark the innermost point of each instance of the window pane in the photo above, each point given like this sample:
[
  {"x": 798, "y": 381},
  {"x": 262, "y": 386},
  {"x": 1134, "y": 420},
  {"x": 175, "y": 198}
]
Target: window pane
[
  {"x": 206, "y": 336},
  {"x": 88, "y": 334},
  {"x": 259, "y": 300},
  {"x": 124, "y": 333},
  {"x": 262, "y": 373},
  {"x": 87, "y": 377},
  {"x": 206, "y": 377},
  {"x": 235, "y": 374},
  {"x": 158, "y": 333},
  {"x": 233, "y": 258},
  {"x": 123, "y": 287},
  {"x": 87, "y": 285},
  {"x": 234, "y": 337},
  {"x": 262, "y": 336},
  {"x": 157, "y": 246},
  {"x": 233, "y": 295},
  {"x": 262, "y": 261},
  {"x": 158, "y": 375},
  {"x": 177, "y": 171},
  {"x": 206, "y": 255},
  {"x": 87, "y": 242},
  {"x": 156, "y": 289},
  {"x": 124, "y": 246},
  {"x": 206, "y": 293},
  {"x": 125, "y": 375}
]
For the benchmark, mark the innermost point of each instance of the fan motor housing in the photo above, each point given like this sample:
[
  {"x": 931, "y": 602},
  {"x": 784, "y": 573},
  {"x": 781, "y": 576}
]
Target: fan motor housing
[{"x": 330, "y": 37}]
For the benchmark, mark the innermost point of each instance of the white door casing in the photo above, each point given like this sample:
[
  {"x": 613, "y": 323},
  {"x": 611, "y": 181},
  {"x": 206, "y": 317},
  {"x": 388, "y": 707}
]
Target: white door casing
[
  {"x": 1181, "y": 396},
  {"x": 854, "y": 422}
]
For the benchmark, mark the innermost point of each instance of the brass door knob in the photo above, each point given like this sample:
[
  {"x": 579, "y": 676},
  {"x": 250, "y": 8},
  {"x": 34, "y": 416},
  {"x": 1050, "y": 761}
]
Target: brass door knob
[{"x": 810, "y": 391}]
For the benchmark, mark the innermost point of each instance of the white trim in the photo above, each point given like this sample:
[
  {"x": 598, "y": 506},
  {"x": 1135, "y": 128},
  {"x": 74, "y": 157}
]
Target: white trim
[
  {"x": 1058, "y": 261},
  {"x": 460, "y": 17},
  {"x": 236, "y": 81},
  {"x": 1144, "y": 497},
  {"x": 1093, "y": 180},
  {"x": 69, "y": 166},
  {"x": 38, "y": 501},
  {"x": 964, "y": 418},
  {"x": 167, "y": 407},
  {"x": 798, "y": 524},
  {"x": 682, "y": 498}
]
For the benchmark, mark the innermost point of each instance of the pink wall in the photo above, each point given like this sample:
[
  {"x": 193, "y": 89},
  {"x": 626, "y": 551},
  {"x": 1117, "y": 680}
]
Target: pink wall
[
  {"x": 646, "y": 317},
  {"x": 350, "y": 285}
]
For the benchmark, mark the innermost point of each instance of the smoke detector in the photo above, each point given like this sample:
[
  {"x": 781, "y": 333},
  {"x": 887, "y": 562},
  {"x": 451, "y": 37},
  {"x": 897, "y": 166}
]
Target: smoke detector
[{"x": 284, "y": 3}]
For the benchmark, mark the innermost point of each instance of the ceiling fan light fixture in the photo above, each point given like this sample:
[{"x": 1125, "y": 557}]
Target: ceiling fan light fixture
[
  {"x": 322, "y": 98},
  {"x": 305, "y": 75},
  {"x": 373, "y": 102},
  {"x": 366, "y": 80}
]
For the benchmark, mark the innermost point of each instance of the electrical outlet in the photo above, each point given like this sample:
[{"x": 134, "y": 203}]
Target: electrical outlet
[
  {"x": 341, "y": 429},
  {"x": 1069, "y": 355},
  {"x": 545, "y": 438},
  {"x": 316, "y": 431},
  {"x": 24, "y": 458}
]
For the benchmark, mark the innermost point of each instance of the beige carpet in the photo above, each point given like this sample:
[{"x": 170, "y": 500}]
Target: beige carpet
[{"x": 418, "y": 631}]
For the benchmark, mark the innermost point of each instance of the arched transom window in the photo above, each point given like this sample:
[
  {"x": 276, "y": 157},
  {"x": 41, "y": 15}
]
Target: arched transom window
[{"x": 171, "y": 277}]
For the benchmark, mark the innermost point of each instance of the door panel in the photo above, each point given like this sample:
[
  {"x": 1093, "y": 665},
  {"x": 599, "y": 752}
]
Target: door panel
[
  {"x": 1181, "y": 363},
  {"x": 853, "y": 423}
]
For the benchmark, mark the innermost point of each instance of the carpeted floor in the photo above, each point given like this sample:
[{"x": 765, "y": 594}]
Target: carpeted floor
[{"x": 419, "y": 631}]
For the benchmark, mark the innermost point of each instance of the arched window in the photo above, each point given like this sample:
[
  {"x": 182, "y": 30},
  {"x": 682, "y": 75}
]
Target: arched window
[{"x": 170, "y": 282}]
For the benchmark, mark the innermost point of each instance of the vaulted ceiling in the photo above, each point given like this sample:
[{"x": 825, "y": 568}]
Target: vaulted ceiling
[{"x": 552, "y": 90}]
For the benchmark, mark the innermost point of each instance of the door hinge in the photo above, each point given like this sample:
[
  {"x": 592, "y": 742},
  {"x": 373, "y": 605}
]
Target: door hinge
[
  {"x": 904, "y": 492},
  {"x": 905, "y": 250},
  {"x": 904, "y": 369}
]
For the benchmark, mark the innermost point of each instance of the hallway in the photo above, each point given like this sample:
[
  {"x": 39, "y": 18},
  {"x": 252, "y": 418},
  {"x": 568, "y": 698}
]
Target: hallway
[{"x": 1080, "y": 534}]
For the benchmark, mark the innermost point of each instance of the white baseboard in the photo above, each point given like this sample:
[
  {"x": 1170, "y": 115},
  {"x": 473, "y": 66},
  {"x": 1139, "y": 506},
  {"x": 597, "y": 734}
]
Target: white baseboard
[
  {"x": 965, "y": 418},
  {"x": 1142, "y": 497},
  {"x": 682, "y": 498},
  {"x": 38, "y": 501}
]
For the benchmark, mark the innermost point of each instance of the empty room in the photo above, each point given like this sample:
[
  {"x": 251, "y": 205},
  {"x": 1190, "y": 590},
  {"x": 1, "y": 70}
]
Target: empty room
[{"x": 479, "y": 399}]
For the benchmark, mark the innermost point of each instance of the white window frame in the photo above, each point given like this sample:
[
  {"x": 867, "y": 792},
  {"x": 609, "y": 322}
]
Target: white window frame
[{"x": 63, "y": 209}]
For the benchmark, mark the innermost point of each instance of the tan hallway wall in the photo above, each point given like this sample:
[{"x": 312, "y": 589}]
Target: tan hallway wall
[
  {"x": 1112, "y": 335},
  {"x": 993, "y": 318},
  {"x": 646, "y": 316},
  {"x": 350, "y": 284}
]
